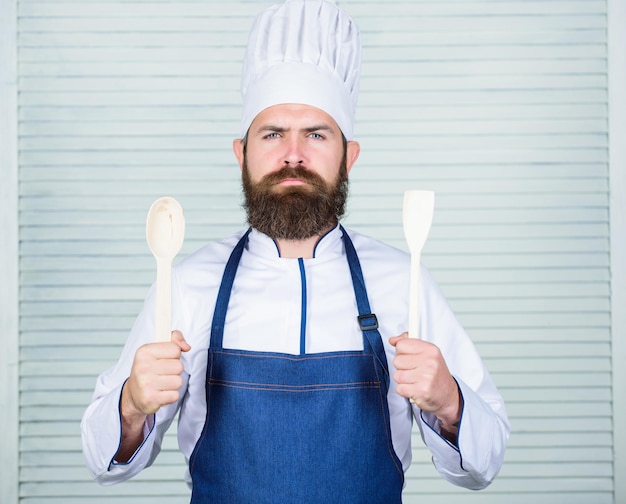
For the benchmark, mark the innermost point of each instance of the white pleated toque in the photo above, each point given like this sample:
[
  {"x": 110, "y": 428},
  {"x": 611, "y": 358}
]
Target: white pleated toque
[{"x": 305, "y": 52}]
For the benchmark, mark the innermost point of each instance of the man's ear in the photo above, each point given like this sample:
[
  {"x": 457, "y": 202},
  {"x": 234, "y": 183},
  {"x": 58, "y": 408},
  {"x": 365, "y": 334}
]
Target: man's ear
[
  {"x": 352, "y": 153},
  {"x": 238, "y": 147}
]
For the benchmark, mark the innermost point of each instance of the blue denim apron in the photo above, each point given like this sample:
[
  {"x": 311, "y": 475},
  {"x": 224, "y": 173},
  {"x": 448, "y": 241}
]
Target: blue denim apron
[{"x": 282, "y": 428}]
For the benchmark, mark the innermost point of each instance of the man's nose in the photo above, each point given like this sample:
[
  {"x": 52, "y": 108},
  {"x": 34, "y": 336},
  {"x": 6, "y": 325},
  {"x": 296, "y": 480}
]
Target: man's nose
[{"x": 294, "y": 155}]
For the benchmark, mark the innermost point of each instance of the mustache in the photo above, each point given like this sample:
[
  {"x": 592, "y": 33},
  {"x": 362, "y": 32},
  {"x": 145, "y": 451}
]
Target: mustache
[{"x": 299, "y": 173}]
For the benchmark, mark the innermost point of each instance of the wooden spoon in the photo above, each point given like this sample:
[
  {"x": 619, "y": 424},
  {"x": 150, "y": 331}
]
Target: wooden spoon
[
  {"x": 417, "y": 218},
  {"x": 165, "y": 232}
]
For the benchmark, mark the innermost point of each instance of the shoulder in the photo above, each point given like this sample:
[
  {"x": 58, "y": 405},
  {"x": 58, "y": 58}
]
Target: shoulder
[
  {"x": 208, "y": 259},
  {"x": 371, "y": 250}
]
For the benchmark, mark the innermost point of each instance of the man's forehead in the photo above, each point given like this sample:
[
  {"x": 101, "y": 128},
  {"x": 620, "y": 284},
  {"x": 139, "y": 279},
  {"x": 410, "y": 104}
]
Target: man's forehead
[{"x": 287, "y": 117}]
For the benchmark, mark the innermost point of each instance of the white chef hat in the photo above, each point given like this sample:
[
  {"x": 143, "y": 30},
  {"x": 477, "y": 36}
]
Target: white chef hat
[{"x": 306, "y": 52}]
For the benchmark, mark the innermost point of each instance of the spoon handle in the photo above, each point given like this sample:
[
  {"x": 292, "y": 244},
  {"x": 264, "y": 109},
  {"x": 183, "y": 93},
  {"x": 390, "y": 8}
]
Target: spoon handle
[
  {"x": 414, "y": 296},
  {"x": 163, "y": 315}
]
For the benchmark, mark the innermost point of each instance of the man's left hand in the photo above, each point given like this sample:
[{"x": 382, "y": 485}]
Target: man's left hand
[{"x": 423, "y": 376}]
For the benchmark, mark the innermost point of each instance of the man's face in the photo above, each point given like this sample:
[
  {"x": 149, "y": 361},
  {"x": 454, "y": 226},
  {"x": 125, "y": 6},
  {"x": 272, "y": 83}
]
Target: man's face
[{"x": 294, "y": 170}]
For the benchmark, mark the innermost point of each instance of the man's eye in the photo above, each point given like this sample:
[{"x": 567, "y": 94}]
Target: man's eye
[
  {"x": 317, "y": 136},
  {"x": 272, "y": 135}
]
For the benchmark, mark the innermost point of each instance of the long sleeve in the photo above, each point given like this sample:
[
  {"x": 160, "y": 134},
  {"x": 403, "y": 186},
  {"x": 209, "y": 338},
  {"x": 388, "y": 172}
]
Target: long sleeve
[
  {"x": 101, "y": 422},
  {"x": 484, "y": 428},
  {"x": 481, "y": 443}
]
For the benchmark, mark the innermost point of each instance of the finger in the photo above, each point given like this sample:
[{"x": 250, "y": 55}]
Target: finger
[
  {"x": 406, "y": 377},
  {"x": 167, "y": 382},
  {"x": 168, "y": 397},
  {"x": 147, "y": 355},
  {"x": 146, "y": 390},
  {"x": 166, "y": 367},
  {"x": 411, "y": 346},
  {"x": 145, "y": 368},
  {"x": 406, "y": 391},
  {"x": 394, "y": 340},
  {"x": 406, "y": 361},
  {"x": 179, "y": 339},
  {"x": 155, "y": 399}
]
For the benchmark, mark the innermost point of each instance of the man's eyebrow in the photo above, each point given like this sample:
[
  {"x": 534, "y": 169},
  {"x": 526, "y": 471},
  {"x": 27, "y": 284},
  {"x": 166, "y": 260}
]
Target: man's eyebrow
[
  {"x": 317, "y": 127},
  {"x": 272, "y": 128},
  {"x": 281, "y": 129}
]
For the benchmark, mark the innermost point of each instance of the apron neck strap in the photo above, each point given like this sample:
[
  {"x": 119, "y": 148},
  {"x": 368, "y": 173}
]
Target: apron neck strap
[
  {"x": 368, "y": 322},
  {"x": 223, "y": 295}
]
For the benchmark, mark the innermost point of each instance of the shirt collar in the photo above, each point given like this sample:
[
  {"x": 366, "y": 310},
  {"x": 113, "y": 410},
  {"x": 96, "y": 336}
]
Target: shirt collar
[{"x": 329, "y": 244}]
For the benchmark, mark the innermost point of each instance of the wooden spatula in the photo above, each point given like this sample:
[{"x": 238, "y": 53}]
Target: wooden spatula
[{"x": 417, "y": 217}]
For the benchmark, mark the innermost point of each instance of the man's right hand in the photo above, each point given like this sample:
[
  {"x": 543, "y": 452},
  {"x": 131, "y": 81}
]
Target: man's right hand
[
  {"x": 155, "y": 377},
  {"x": 155, "y": 380}
]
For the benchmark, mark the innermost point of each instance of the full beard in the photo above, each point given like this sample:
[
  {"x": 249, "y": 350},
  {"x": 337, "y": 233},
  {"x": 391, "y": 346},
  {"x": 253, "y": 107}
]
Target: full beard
[{"x": 296, "y": 212}]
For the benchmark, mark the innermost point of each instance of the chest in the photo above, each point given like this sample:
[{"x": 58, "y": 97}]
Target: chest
[{"x": 293, "y": 305}]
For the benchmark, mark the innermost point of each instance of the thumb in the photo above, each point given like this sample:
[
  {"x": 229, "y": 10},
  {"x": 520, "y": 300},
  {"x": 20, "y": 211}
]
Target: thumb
[
  {"x": 179, "y": 339},
  {"x": 394, "y": 340}
]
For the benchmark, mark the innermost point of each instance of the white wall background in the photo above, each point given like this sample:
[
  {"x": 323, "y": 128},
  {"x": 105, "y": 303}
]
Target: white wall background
[{"x": 502, "y": 107}]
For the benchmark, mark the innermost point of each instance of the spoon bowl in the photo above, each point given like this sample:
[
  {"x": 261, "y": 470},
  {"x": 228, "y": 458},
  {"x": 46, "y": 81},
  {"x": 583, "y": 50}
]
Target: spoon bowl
[
  {"x": 165, "y": 228},
  {"x": 165, "y": 233}
]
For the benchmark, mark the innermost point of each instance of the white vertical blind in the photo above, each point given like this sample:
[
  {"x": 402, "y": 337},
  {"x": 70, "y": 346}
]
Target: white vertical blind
[
  {"x": 617, "y": 162},
  {"x": 9, "y": 281},
  {"x": 499, "y": 106}
]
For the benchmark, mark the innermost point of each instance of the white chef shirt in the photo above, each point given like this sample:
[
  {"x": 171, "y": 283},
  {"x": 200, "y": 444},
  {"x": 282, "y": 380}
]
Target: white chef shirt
[{"x": 273, "y": 302}]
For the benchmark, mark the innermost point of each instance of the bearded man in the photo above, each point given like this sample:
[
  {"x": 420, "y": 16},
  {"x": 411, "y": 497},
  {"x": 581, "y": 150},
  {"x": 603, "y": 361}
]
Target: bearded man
[{"x": 290, "y": 366}]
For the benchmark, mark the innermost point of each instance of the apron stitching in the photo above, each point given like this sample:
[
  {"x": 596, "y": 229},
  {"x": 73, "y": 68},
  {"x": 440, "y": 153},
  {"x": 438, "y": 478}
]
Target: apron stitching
[
  {"x": 263, "y": 355},
  {"x": 392, "y": 452},
  {"x": 291, "y": 391},
  {"x": 193, "y": 458},
  {"x": 295, "y": 387}
]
